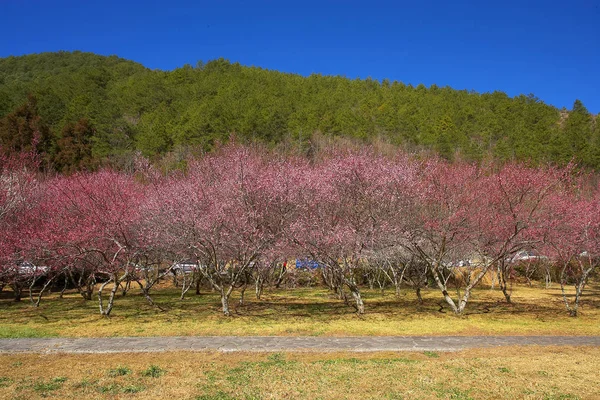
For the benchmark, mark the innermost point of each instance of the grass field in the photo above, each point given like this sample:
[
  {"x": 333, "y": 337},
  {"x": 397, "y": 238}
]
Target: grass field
[
  {"x": 536, "y": 311},
  {"x": 508, "y": 373}
]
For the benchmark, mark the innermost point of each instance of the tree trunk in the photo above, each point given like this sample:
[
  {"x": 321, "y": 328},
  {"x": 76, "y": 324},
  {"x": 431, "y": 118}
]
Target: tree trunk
[
  {"x": 450, "y": 302},
  {"x": 146, "y": 293},
  {"x": 100, "y": 301},
  {"x": 282, "y": 274},
  {"x": 444, "y": 290},
  {"x": 547, "y": 278},
  {"x": 62, "y": 292},
  {"x": 87, "y": 294},
  {"x": 242, "y": 292},
  {"x": 360, "y": 306},
  {"x": 579, "y": 286},
  {"x": 578, "y": 292},
  {"x": 506, "y": 294},
  {"x": 126, "y": 287},
  {"x": 371, "y": 280},
  {"x": 328, "y": 280},
  {"x": 186, "y": 285},
  {"x": 504, "y": 282},
  {"x": 17, "y": 289},
  {"x": 33, "y": 280},
  {"x": 339, "y": 290},
  {"x": 39, "y": 297},
  {"x": 198, "y": 282},
  {"x": 111, "y": 298},
  {"x": 258, "y": 288},
  {"x": 225, "y": 302},
  {"x": 88, "y": 287},
  {"x": 381, "y": 281},
  {"x": 463, "y": 302},
  {"x": 394, "y": 279}
]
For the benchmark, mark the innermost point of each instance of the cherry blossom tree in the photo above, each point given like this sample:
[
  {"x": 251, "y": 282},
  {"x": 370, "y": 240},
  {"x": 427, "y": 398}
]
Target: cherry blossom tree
[
  {"x": 400, "y": 266},
  {"x": 239, "y": 213},
  {"x": 19, "y": 197},
  {"x": 440, "y": 230},
  {"x": 511, "y": 210},
  {"x": 573, "y": 240},
  {"x": 92, "y": 218},
  {"x": 227, "y": 212},
  {"x": 155, "y": 250},
  {"x": 341, "y": 216}
]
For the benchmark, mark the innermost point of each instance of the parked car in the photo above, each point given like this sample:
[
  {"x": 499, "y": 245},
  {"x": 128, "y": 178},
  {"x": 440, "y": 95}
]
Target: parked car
[
  {"x": 527, "y": 256},
  {"x": 28, "y": 268},
  {"x": 185, "y": 267}
]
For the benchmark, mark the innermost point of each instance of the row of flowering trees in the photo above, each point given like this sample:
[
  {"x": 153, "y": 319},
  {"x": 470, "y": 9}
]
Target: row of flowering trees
[{"x": 241, "y": 212}]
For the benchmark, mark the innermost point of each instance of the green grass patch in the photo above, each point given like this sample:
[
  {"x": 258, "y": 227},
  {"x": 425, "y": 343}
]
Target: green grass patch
[
  {"x": 119, "y": 371},
  {"x": 452, "y": 393},
  {"x": 49, "y": 386},
  {"x": 153, "y": 371},
  {"x": 15, "y": 331},
  {"x": 4, "y": 381},
  {"x": 132, "y": 389},
  {"x": 220, "y": 395}
]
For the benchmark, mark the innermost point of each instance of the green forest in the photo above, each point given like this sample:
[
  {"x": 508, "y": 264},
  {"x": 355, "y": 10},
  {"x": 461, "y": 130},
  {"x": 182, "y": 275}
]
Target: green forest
[{"x": 81, "y": 110}]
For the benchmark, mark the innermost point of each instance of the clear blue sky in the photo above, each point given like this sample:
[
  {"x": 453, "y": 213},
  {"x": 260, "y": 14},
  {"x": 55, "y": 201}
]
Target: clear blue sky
[{"x": 548, "y": 48}]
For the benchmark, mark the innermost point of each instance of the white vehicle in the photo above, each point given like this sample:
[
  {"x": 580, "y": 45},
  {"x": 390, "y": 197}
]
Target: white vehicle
[
  {"x": 28, "y": 268},
  {"x": 185, "y": 267},
  {"x": 527, "y": 256}
]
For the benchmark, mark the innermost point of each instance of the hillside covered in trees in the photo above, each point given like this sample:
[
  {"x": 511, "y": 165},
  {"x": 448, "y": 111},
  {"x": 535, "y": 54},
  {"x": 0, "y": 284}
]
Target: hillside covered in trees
[{"x": 80, "y": 110}]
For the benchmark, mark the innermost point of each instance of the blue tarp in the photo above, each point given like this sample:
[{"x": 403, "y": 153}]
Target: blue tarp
[{"x": 307, "y": 264}]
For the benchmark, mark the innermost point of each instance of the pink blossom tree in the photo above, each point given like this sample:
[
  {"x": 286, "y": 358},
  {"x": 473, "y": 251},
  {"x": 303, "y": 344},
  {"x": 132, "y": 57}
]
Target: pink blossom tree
[
  {"x": 573, "y": 241},
  {"x": 439, "y": 230},
  {"x": 511, "y": 209},
  {"x": 92, "y": 218},
  {"x": 227, "y": 212},
  {"x": 342, "y": 216},
  {"x": 19, "y": 197}
]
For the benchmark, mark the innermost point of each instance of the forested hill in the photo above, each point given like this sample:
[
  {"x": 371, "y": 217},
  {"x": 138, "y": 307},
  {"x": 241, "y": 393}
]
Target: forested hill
[{"x": 80, "y": 108}]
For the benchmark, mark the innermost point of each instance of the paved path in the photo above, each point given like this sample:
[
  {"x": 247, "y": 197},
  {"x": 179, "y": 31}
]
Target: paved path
[{"x": 283, "y": 343}]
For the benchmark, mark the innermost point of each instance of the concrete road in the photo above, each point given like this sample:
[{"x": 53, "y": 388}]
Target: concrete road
[{"x": 283, "y": 343}]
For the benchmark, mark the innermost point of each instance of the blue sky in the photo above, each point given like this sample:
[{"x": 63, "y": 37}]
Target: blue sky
[{"x": 548, "y": 48}]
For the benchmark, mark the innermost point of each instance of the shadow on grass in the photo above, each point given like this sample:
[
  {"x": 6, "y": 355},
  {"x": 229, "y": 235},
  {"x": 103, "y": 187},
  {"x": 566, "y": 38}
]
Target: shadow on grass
[{"x": 279, "y": 311}]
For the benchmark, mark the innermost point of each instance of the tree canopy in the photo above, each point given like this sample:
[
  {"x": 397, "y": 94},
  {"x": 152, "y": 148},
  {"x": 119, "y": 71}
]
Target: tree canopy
[{"x": 108, "y": 108}]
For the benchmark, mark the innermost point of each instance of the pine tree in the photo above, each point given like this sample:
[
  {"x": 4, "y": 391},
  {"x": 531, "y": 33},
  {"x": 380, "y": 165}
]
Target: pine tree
[
  {"x": 74, "y": 147},
  {"x": 578, "y": 131},
  {"x": 24, "y": 131}
]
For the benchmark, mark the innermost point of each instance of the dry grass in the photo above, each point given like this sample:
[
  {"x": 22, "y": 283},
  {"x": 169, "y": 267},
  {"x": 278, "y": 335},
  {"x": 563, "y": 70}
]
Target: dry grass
[
  {"x": 303, "y": 312},
  {"x": 506, "y": 373}
]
